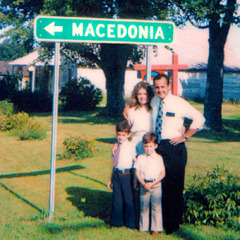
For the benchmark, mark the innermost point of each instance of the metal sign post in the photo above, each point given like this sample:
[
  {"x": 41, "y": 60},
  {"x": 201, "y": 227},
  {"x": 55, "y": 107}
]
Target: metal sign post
[
  {"x": 54, "y": 131},
  {"x": 149, "y": 65}
]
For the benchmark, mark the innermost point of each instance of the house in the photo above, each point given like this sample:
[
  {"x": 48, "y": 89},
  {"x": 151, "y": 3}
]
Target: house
[
  {"x": 35, "y": 72},
  {"x": 5, "y": 69}
]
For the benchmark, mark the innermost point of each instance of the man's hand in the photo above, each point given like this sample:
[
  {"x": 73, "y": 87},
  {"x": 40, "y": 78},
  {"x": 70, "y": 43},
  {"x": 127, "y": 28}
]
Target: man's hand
[{"x": 175, "y": 141}]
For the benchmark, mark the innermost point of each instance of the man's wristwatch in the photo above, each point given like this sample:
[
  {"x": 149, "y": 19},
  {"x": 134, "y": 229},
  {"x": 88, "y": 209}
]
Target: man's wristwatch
[{"x": 185, "y": 137}]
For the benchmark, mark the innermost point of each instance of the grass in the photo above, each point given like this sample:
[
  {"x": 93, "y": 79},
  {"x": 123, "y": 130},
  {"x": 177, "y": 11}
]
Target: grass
[{"x": 82, "y": 200}]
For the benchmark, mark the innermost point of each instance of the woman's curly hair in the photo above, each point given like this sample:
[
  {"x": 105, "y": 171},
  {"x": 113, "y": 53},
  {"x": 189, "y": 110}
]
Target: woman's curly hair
[{"x": 150, "y": 94}]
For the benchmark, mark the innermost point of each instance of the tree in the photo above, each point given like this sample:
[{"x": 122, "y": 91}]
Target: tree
[
  {"x": 10, "y": 50},
  {"x": 112, "y": 58},
  {"x": 217, "y": 16}
]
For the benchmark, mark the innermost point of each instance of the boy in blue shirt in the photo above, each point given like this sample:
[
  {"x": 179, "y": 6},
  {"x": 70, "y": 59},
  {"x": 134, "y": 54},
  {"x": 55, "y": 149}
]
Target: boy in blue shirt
[{"x": 121, "y": 181}]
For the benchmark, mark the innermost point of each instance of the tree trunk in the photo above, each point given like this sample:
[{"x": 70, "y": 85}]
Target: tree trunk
[
  {"x": 114, "y": 62},
  {"x": 214, "y": 87},
  {"x": 218, "y": 32}
]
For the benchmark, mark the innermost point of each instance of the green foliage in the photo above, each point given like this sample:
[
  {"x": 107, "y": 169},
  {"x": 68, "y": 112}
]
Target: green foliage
[
  {"x": 201, "y": 12},
  {"x": 8, "y": 85},
  {"x": 20, "y": 124},
  {"x": 16, "y": 17},
  {"x": 6, "y": 115},
  {"x": 77, "y": 148},
  {"x": 80, "y": 95},
  {"x": 29, "y": 102},
  {"x": 10, "y": 50},
  {"x": 25, "y": 100},
  {"x": 214, "y": 199},
  {"x": 6, "y": 108},
  {"x": 31, "y": 130},
  {"x": 17, "y": 121}
]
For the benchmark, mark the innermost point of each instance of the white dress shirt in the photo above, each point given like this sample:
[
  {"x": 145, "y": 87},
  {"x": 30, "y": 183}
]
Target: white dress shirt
[
  {"x": 126, "y": 156},
  {"x": 175, "y": 109},
  {"x": 140, "y": 121},
  {"x": 150, "y": 166}
]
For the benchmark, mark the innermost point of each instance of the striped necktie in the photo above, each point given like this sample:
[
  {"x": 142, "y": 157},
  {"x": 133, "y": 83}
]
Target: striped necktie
[
  {"x": 116, "y": 155},
  {"x": 158, "y": 128}
]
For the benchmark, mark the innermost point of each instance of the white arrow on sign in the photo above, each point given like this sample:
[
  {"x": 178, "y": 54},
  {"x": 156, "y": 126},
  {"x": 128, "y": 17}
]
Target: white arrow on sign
[{"x": 51, "y": 28}]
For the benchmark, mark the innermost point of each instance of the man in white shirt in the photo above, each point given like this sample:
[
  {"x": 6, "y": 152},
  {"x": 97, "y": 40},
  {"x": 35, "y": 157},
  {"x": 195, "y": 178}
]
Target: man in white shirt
[{"x": 168, "y": 114}]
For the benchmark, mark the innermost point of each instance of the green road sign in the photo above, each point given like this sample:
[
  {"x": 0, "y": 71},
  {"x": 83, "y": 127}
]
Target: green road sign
[{"x": 66, "y": 29}]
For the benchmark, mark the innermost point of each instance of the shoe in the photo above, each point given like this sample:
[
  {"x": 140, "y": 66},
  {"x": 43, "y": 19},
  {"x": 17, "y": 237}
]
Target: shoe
[{"x": 154, "y": 233}]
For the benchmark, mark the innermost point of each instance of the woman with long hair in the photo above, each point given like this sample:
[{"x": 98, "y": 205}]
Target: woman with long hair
[{"x": 138, "y": 113}]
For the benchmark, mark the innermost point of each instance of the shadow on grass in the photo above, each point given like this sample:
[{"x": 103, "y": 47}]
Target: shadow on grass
[
  {"x": 36, "y": 173},
  {"x": 75, "y": 117},
  {"x": 88, "y": 119},
  {"x": 93, "y": 203},
  {"x": 225, "y": 136},
  {"x": 233, "y": 124},
  {"x": 42, "y": 172},
  {"x": 106, "y": 140},
  {"x": 231, "y": 132},
  {"x": 55, "y": 228},
  {"x": 89, "y": 178},
  {"x": 23, "y": 199}
]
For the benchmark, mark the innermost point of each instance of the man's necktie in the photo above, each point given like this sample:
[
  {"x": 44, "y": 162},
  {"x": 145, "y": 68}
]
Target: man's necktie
[
  {"x": 158, "y": 128},
  {"x": 116, "y": 155}
]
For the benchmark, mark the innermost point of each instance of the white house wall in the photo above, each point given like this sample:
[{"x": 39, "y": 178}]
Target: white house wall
[
  {"x": 96, "y": 76},
  {"x": 66, "y": 74},
  {"x": 231, "y": 86},
  {"x": 193, "y": 85}
]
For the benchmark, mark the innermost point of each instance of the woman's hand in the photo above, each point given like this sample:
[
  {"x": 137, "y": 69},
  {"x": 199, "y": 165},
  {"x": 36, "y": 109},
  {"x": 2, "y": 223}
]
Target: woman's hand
[
  {"x": 125, "y": 112},
  {"x": 109, "y": 184}
]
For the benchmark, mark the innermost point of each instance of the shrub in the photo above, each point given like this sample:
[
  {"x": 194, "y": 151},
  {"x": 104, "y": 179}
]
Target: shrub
[
  {"x": 31, "y": 130},
  {"x": 17, "y": 121},
  {"x": 80, "y": 95},
  {"x": 214, "y": 199},
  {"x": 6, "y": 112},
  {"x": 76, "y": 148},
  {"x": 8, "y": 85},
  {"x": 6, "y": 108},
  {"x": 20, "y": 124},
  {"x": 29, "y": 102}
]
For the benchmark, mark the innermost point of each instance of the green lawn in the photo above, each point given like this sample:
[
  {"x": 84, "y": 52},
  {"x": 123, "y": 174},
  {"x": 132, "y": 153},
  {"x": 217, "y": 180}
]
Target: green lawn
[{"x": 82, "y": 200}]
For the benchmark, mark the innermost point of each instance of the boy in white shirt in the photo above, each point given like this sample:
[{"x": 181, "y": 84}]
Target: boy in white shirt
[
  {"x": 150, "y": 171},
  {"x": 122, "y": 179}
]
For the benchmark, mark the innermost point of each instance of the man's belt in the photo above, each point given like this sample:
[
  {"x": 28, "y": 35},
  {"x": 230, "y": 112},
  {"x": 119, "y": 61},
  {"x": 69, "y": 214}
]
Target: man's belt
[
  {"x": 148, "y": 180},
  {"x": 124, "y": 171}
]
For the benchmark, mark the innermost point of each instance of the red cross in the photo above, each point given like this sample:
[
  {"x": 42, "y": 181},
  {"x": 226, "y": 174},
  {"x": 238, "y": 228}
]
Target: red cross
[{"x": 174, "y": 68}]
